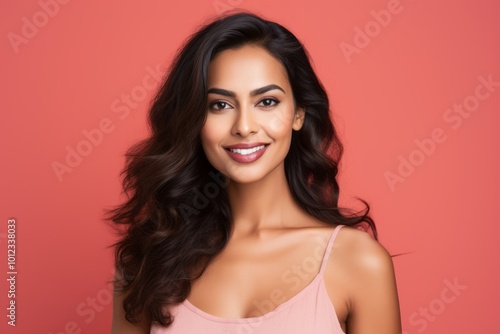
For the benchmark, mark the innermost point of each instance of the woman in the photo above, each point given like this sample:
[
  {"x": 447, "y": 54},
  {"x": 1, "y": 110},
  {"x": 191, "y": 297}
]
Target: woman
[{"x": 233, "y": 225}]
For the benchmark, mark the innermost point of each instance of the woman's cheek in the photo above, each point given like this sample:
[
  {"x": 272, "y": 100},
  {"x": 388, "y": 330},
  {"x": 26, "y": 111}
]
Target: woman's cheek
[
  {"x": 209, "y": 134},
  {"x": 281, "y": 121}
]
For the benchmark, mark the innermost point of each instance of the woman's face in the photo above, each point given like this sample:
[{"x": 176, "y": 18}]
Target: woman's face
[{"x": 250, "y": 114}]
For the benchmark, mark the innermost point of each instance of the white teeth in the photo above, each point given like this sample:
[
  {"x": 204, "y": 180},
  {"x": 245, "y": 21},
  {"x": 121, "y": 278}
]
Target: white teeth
[{"x": 246, "y": 151}]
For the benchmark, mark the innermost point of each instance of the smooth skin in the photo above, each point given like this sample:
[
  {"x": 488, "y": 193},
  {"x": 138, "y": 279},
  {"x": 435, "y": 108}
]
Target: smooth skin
[{"x": 263, "y": 262}]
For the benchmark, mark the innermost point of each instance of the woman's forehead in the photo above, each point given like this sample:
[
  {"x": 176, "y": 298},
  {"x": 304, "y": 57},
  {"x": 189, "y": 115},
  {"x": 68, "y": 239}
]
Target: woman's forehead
[{"x": 248, "y": 67}]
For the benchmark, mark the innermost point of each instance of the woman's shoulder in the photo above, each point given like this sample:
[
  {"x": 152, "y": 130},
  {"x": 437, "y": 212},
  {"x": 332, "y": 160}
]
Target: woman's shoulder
[
  {"x": 360, "y": 266},
  {"x": 363, "y": 272},
  {"x": 359, "y": 249}
]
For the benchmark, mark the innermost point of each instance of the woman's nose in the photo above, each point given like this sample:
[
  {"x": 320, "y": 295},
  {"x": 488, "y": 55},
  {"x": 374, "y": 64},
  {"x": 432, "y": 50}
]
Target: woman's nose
[{"x": 245, "y": 122}]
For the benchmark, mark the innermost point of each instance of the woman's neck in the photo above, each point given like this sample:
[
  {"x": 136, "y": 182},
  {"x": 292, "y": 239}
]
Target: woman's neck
[{"x": 265, "y": 204}]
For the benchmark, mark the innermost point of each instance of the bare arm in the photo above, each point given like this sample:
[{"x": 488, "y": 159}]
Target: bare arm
[
  {"x": 374, "y": 304},
  {"x": 120, "y": 325}
]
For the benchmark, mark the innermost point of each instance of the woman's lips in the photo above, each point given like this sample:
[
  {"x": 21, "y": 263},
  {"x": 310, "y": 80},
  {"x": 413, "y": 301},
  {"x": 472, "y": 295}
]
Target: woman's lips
[{"x": 246, "y": 155}]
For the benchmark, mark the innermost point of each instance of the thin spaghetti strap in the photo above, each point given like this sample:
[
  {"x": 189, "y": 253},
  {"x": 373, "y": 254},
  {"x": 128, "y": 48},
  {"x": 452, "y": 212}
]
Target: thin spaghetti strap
[{"x": 329, "y": 248}]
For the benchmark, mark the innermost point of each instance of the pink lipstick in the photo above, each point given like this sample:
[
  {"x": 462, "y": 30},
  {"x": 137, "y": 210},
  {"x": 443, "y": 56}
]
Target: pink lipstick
[{"x": 246, "y": 152}]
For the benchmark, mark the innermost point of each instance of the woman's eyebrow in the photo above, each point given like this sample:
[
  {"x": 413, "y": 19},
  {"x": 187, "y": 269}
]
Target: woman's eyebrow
[
  {"x": 254, "y": 92},
  {"x": 265, "y": 89}
]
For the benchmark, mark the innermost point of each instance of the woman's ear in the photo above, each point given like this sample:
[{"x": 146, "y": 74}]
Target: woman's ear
[{"x": 298, "y": 120}]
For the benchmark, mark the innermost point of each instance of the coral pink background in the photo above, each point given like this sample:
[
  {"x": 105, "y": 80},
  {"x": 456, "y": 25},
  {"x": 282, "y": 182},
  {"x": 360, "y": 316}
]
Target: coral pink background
[{"x": 70, "y": 73}]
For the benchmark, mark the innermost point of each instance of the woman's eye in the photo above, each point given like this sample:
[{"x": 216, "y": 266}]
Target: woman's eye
[
  {"x": 267, "y": 103},
  {"x": 218, "y": 105}
]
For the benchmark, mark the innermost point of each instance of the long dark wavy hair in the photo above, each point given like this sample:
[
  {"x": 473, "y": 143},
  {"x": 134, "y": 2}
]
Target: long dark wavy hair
[{"x": 177, "y": 216}]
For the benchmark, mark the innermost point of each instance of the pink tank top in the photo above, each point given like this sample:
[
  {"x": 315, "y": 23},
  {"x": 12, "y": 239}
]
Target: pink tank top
[{"x": 309, "y": 311}]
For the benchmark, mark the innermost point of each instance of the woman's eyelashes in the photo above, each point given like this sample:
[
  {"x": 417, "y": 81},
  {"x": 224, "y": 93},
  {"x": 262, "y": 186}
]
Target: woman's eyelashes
[
  {"x": 270, "y": 100},
  {"x": 212, "y": 106},
  {"x": 266, "y": 103}
]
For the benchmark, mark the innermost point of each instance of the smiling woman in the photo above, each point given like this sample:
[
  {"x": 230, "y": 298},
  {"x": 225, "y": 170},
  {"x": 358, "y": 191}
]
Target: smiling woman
[
  {"x": 247, "y": 123},
  {"x": 243, "y": 119}
]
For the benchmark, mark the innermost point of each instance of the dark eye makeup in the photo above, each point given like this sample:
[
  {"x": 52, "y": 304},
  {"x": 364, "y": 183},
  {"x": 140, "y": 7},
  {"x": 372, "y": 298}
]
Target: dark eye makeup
[{"x": 266, "y": 102}]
